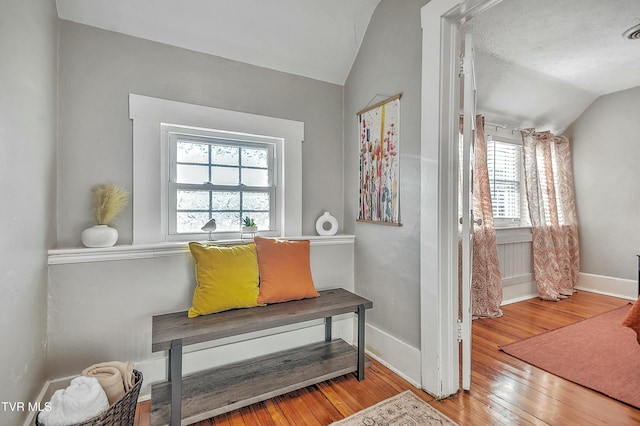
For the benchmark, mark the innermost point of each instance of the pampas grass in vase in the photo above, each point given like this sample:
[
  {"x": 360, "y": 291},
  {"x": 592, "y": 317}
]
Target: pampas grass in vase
[{"x": 107, "y": 202}]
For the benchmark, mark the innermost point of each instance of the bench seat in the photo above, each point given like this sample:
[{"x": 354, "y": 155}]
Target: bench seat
[{"x": 212, "y": 392}]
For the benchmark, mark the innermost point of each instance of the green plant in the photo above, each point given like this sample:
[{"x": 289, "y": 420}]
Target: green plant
[
  {"x": 248, "y": 222},
  {"x": 108, "y": 201}
]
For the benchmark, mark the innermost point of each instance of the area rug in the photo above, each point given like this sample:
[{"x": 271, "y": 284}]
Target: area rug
[
  {"x": 598, "y": 353},
  {"x": 404, "y": 409}
]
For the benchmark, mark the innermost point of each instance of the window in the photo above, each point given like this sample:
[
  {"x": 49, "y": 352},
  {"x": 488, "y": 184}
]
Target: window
[
  {"x": 183, "y": 173},
  {"x": 223, "y": 179},
  {"x": 504, "y": 161}
]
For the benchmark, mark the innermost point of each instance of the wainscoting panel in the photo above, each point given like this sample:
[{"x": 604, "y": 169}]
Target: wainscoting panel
[{"x": 516, "y": 264}]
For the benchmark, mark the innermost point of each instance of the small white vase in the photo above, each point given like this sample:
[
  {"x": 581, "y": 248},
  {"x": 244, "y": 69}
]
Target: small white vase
[
  {"x": 99, "y": 236},
  {"x": 325, "y": 219}
]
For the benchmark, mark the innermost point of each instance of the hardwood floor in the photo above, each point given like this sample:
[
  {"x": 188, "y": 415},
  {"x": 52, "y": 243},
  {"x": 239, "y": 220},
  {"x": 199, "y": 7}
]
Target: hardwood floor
[{"x": 504, "y": 390}]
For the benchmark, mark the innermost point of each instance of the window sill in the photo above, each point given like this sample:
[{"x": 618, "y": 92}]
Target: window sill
[{"x": 150, "y": 251}]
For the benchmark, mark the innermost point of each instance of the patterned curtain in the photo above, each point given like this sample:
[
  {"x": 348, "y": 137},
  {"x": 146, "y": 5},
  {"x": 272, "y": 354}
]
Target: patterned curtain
[
  {"x": 486, "y": 281},
  {"x": 554, "y": 224}
]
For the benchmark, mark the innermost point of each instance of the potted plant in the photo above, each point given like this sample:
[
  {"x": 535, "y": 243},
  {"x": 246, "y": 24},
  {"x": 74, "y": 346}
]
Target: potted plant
[
  {"x": 248, "y": 225},
  {"x": 107, "y": 202}
]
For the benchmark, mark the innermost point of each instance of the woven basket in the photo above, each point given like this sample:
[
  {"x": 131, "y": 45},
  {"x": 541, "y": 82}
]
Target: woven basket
[{"x": 122, "y": 413}]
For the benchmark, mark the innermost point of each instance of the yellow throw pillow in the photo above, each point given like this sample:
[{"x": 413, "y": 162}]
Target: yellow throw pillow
[
  {"x": 285, "y": 270},
  {"x": 226, "y": 277}
]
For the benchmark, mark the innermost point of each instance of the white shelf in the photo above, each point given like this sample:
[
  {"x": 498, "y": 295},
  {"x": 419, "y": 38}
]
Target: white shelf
[{"x": 130, "y": 252}]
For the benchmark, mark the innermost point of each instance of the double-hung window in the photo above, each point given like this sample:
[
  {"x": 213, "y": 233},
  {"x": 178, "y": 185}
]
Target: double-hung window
[
  {"x": 504, "y": 162},
  {"x": 226, "y": 179},
  {"x": 192, "y": 163}
]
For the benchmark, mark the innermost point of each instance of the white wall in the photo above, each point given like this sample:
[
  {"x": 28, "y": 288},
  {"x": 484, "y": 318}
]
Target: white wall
[
  {"x": 606, "y": 149},
  {"x": 101, "y": 311},
  {"x": 387, "y": 258},
  {"x": 98, "y": 70},
  {"x": 28, "y": 35}
]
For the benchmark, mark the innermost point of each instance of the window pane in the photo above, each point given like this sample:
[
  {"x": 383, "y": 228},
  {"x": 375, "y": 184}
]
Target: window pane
[
  {"x": 224, "y": 175},
  {"x": 507, "y": 199},
  {"x": 255, "y": 201},
  {"x": 225, "y": 155},
  {"x": 255, "y": 157},
  {"x": 255, "y": 177},
  {"x": 225, "y": 201},
  {"x": 192, "y": 174},
  {"x": 261, "y": 219},
  {"x": 227, "y": 221},
  {"x": 504, "y": 165},
  {"x": 193, "y": 200},
  {"x": 191, "y": 221},
  {"x": 192, "y": 152}
]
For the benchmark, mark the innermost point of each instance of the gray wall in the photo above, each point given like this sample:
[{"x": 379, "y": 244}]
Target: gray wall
[
  {"x": 95, "y": 303},
  {"x": 386, "y": 257},
  {"x": 606, "y": 150},
  {"x": 99, "y": 68},
  {"x": 28, "y": 34}
]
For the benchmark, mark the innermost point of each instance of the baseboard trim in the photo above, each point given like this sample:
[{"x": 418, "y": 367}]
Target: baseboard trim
[
  {"x": 398, "y": 356},
  {"x": 515, "y": 291},
  {"x": 608, "y": 286}
]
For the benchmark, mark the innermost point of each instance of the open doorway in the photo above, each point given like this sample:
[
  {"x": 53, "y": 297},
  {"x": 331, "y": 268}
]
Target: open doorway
[{"x": 441, "y": 20}]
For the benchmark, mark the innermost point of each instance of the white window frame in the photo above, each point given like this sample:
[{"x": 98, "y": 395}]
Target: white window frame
[
  {"x": 170, "y": 134},
  {"x": 523, "y": 221},
  {"x": 151, "y": 160}
]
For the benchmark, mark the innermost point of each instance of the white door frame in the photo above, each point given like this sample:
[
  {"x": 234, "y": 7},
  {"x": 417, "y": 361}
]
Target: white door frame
[{"x": 438, "y": 209}]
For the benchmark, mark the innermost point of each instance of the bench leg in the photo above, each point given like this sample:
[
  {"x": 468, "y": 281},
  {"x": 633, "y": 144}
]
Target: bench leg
[
  {"x": 360, "y": 342},
  {"x": 327, "y": 329},
  {"x": 175, "y": 377}
]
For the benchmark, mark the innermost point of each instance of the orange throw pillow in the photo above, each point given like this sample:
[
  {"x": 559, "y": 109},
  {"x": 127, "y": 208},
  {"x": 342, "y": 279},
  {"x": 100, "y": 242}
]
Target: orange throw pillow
[
  {"x": 285, "y": 270},
  {"x": 632, "y": 320}
]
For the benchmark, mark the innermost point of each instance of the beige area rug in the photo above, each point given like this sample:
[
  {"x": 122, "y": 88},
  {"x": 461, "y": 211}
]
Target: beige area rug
[{"x": 404, "y": 409}]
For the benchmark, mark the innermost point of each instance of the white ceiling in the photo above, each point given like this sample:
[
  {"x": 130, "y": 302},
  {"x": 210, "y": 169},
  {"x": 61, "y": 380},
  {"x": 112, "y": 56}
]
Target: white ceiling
[
  {"x": 541, "y": 63},
  {"x": 318, "y": 39}
]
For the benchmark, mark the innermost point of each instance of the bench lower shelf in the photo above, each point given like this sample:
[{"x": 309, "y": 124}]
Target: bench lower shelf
[{"x": 229, "y": 387}]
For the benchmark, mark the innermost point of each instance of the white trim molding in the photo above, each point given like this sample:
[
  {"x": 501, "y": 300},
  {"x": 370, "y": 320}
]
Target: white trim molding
[
  {"x": 148, "y": 251},
  {"x": 150, "y": 159},
  {"x": 440, "y": 102},
  {"x": 393, "y": 353},
  {"x": 610, "y": 286}
]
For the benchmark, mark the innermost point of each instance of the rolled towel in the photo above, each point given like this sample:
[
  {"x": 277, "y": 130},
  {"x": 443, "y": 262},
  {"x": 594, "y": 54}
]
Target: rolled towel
[
  {"x": 115, "y": 377},
  {"x": 82, "y": 400}
]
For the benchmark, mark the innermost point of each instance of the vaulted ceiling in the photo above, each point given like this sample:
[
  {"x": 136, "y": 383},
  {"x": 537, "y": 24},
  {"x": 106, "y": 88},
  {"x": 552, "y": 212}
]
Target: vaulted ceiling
[
  {"x": 541, "y": 63},
  {"x": 313, "y": 38}
]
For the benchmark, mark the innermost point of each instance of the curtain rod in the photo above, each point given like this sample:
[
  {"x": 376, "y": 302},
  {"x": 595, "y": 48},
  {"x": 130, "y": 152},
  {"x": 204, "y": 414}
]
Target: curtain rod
[{"x": 503, "y": 126}]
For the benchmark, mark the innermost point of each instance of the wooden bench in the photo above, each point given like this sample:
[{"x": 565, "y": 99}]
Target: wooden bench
[{"x": 229, "y": 387}]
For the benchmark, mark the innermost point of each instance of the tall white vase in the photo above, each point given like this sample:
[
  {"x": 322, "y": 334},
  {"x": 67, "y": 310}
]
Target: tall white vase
[{"x": 99, "y": 236}]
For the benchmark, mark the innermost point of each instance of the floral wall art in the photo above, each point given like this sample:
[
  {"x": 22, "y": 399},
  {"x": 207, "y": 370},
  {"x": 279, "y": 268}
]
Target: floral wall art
[{"x": 379, "y": 127}]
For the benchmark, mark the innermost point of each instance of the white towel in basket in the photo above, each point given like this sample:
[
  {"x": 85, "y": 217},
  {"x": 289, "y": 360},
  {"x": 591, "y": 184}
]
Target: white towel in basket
[{"x": 82, "y": 400}]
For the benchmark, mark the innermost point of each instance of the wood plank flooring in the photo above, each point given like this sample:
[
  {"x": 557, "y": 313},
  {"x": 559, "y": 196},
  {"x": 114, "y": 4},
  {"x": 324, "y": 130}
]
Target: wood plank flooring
[{"x": 504, "y": 390}]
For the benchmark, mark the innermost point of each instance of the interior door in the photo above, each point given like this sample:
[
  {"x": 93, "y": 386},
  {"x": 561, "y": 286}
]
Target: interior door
[{"x": 466, "y": 209}]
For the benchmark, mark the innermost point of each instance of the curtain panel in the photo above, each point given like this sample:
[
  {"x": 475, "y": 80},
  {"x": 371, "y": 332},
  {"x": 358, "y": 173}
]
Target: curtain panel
[
  {"x": 486, "y": 281},
  {"x": 554, "y": 224}
]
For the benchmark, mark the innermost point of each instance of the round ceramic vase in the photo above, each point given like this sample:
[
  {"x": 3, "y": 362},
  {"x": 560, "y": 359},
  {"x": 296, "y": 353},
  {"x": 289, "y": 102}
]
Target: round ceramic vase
[
  {"x": 99, "y": 236},
  {"x": 326, "y": 219}
]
